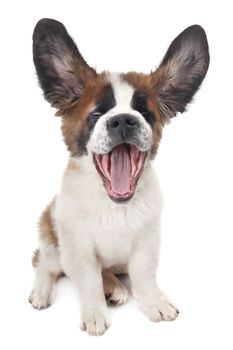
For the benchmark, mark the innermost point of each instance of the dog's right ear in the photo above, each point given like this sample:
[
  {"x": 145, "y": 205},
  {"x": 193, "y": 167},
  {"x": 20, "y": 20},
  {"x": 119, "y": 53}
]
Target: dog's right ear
[{"x": 60, "y": 67}]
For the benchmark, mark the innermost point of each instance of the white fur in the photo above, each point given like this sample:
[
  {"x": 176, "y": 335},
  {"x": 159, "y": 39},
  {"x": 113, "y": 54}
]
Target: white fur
[
  {"x": 95, "y": 233},
  {"x": 49, "y": 266},
  {"x": 123, "y": 92}
]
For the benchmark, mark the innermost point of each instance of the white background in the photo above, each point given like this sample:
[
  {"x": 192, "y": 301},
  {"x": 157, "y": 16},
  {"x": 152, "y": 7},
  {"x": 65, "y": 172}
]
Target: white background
[{"x": 194, "y": 164}]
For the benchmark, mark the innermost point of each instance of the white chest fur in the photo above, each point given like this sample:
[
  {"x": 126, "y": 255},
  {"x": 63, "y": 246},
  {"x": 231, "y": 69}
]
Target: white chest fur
[{"x": 87, "y": 220}]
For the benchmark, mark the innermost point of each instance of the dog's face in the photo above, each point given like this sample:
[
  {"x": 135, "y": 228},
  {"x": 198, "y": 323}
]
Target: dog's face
[{"x": 116, "y": 120}]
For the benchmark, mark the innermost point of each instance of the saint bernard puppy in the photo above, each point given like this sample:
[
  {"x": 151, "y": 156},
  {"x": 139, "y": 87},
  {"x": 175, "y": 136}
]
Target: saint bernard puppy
[{"x": 105, "y": 220}]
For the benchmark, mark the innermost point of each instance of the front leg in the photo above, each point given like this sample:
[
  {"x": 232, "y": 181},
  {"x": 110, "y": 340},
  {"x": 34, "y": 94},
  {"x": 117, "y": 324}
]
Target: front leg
[
  {"x": 85, "y": 273},
  {"x": 142, "y": 272}
]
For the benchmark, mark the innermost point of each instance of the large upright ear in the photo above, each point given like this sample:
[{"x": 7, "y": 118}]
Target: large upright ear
[
  {"x": 182, "y": 70},
  {"x": 61, "y": 69}
]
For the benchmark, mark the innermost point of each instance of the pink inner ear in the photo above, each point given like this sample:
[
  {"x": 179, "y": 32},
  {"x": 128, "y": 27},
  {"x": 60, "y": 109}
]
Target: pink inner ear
[
  {"x": 61, "y": 66},
  {"x": 65, "y": 71}
]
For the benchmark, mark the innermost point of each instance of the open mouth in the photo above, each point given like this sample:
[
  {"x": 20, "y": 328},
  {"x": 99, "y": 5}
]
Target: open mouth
[{"x": 120, "y": 170}]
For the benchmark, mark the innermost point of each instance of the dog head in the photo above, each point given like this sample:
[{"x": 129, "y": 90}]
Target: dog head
[{"x": 116, "y": 119}]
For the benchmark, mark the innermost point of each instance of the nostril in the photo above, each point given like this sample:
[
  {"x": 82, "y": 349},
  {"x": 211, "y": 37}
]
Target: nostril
[
  {"x": 115, "y": 124},
  {"x": 122, "y": 123},
  {"x": 131, "y": 122}
]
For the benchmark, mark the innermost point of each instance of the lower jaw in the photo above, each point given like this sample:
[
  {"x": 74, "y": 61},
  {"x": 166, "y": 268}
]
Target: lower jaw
[
  {"x": 121, "y": 200},
  {"x": 117, "y": 197}
]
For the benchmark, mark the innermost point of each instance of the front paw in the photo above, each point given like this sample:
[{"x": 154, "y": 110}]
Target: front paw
[
  {"x": 40, "y": 298},
  {"x": 95, "y": 322},
  {"x": 159, "y": 308}
]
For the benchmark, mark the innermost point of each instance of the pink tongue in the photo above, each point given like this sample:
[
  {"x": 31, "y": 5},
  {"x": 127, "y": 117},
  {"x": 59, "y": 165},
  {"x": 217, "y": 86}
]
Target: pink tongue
[{"x": 120, "y": 170}]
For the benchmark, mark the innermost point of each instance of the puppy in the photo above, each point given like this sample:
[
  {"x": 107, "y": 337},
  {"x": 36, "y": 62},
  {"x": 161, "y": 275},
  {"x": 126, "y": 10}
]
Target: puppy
[{"x": 105, "y": 219}]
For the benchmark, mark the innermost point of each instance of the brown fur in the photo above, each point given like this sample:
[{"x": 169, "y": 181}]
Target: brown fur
[
  {"x": 75, "y": 121},
  {"x": 36, "y": 258},
  {"x": 46, "y": 229},
  {"x": 72, "y": 167},
  {"x": 110, "y": 283},
  {"x": 158, "y": 78},
  {"x": 145, "y": 84}
]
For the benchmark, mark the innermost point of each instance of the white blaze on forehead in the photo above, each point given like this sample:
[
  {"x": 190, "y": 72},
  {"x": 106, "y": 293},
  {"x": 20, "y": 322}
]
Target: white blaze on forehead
[{"x": 123, "y": 92}]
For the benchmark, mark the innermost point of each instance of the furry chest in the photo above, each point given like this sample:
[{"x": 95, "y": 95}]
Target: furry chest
[{"x": 113, "y": 247}]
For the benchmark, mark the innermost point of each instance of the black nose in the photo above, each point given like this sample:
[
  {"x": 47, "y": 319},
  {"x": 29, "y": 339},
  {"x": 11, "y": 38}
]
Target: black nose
[{"x": 122, "y": 124}]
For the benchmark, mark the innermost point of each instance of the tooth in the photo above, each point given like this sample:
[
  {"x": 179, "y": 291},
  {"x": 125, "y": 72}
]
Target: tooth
[
  {"x": 133, "y": 166},
  {"x": 134, "y": 157},
  {"x": 98, "y": 159},
  {"x": 105, "y": 164},
  {"x": 140, "y": 162}
]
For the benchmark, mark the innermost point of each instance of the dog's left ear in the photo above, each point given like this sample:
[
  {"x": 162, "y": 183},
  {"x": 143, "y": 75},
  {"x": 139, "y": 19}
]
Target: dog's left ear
[
  {"x": 61, "y": 69},
  {"x": 181, "y": 72}
]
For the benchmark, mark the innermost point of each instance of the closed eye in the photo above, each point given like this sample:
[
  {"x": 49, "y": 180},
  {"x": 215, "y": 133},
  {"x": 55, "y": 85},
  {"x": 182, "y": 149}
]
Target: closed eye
[
  {"x": 145, "y": 114},
  {"x": 97, "y": 114},
  {"x": 93, "y": 117},
  {"x": 139, "y": 103}
]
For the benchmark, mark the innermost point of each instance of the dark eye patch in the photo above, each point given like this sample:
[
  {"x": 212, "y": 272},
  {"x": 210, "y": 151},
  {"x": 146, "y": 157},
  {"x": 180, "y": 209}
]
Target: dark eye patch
[
  {"x": 139, "y": 103},
  {"x": 103, "y": 105}
]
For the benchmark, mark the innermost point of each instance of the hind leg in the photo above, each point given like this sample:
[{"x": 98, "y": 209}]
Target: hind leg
[
  {"x": 46, "y": 262},
  {"x": 115, "y": 292}
]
